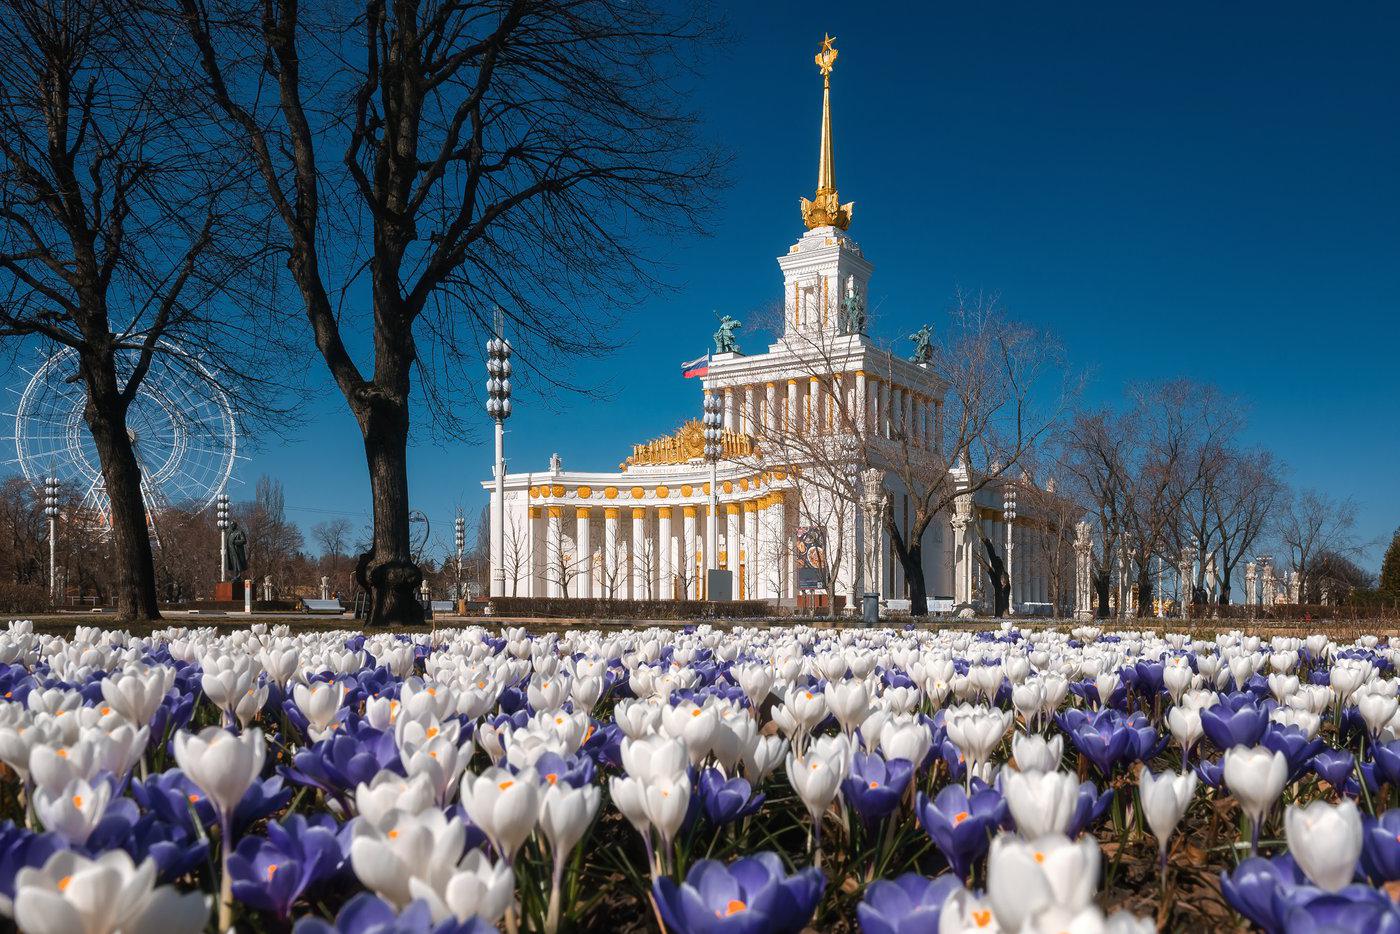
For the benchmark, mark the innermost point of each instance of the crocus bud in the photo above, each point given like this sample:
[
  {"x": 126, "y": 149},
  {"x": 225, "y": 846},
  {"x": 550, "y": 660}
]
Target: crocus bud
[{"x": 1325, "y": 840}]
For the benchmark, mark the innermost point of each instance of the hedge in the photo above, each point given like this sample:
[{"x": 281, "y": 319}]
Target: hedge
[
  {"x": 23, "y": 598},
  {"x": 578, "y": 608}
]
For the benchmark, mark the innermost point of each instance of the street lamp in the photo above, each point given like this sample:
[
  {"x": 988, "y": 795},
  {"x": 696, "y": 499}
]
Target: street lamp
[
  {"x": 714, "y": 447},
  {"x": 51, "y": 488},
  {"x": 498, "y": 407},
  {"x": 459, "y": 536},
  {"x": 222, "y": 521},
  {"x": 1008, "y": 504}
]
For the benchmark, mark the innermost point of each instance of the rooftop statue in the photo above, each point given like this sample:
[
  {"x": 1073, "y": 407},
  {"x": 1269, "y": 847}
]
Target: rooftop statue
[
  {"x": 853, "y": 308},
  {"x": 725, "y": 341},
  {"x": 923, "y": 345}
]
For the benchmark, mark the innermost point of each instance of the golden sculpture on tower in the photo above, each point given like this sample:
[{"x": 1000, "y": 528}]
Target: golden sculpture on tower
[{"x": 825, "y": 209}]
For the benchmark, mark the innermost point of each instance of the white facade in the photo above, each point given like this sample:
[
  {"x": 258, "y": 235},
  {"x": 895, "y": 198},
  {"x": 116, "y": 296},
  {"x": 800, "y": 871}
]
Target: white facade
[
  {"x": 807, "y": 421},
  {"x": 640, "y": 533}
]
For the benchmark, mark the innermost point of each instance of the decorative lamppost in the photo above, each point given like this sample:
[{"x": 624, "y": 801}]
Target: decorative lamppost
[
  {"x": 498, "y": 407},
  {"x": 714, "y": 447},
  {"x": 222, "y": 521},
  {"x": 459, "y": 536},
  {"x": 1008, "y": 505},
  {"x": 51, "y": 488}
]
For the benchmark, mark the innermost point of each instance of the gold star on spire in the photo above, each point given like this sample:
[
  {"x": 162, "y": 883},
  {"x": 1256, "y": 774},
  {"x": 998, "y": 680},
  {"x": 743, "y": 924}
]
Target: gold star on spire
[{"x": 826, "y": 209}]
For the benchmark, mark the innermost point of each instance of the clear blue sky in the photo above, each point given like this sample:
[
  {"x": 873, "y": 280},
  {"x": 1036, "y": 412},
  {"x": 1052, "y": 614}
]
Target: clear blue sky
[{"x": 1198, "y": 189}]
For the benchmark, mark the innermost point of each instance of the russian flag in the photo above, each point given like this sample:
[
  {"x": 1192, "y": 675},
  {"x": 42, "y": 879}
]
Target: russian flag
[{"x": 697, "y": 367}]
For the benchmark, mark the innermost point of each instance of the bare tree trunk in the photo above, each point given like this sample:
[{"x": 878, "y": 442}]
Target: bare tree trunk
[
  {"x": 1001, "y": 582},
  {"x": 134, "y": 581},
  {"x": 1101, "y": 587},
  {"x": 390, "y": 575},
  {"x": 1144, "y": 591}
]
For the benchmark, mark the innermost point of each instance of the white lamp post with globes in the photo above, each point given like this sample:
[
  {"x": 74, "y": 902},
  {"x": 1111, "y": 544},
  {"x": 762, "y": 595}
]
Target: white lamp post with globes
[{"x": 498, "y": 407}]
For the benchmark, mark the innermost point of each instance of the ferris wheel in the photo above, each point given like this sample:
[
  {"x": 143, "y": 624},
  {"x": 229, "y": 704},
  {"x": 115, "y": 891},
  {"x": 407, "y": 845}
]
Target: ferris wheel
[{"x": 181, "y": 424}]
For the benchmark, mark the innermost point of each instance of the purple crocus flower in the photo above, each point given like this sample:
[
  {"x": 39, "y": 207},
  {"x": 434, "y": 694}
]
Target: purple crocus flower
[
  {"x": 270, "y": 873},
  {"x": 176, "y": 850},
  {"x": 1380, "y": 846},
  {"x": 1089, "y": 809},
  {"x": 1146, "y": 741},
  {"x": 1308, "y": 910},
  {"x": 1252, "y": 887},
  {"x": 953, "y": 758},
  {"x": 339, "y": 764},
  {"x": 1103, "y": 737},
  {"x": 575, "y": 771},
  {"x": 960, "y": 825},
  {"x": 21, "y": 848},
  {"x": 910, "y": 904},
  {"x": 726, "y": 800},
  {"x": 1294, "y": 744},
  {"x": 752, "y": 895},
  {"x": 1211, "y": 771},
  {"x": 1335, "y": 767},
  {"x": 1235, "y": 721},
  {"x": 367, "y": 913},
  {"x": 875, "y": 785},
  {"x": 1387, "y": 762},
  {"x": 177, "y": 800}
]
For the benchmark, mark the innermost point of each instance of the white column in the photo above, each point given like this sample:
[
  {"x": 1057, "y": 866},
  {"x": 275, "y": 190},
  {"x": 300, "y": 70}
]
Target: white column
[
  {"x": 781, "y": 551},
  {"x": 731, "y": 409},
  {"x": 554, "y": 551},
  {"x": 613, "y": 570},
  {"x": 791, "y": 422},
  {"x": 882, "y": 407},
  {"x": 641, "y": 559},
  {"x": 907, "y": 415},
  {"x": 916, "y": 421},
  {"x": 751, "y": 559},
  {"x": 732, "y": 544},
  {"x": 750, "y": 419},
  {"x": 862, "y": 403},
  {"x": 770, "y": 407},
  {"x": 665, "y": 574},
  {"x": 938, "y": 425},
  {"x": 812, "y": 407},
  {"x": 689, "y": 554},
  {"x": 583, "y": 554}
]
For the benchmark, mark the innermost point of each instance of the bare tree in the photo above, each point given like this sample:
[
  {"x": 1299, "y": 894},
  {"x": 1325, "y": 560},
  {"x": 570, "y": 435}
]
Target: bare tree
[
  {"x": 1311, "y": 525},
  {"x": 1006, "y": 388},
  {"x": 517, "y": 557},
  {"x": 506, "y": 154},
  {"x": 1243, "y": 501},
  {"x": 120, "y": 231}
]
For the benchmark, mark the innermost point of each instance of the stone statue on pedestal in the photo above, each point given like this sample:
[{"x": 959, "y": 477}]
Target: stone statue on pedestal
[
  {"x": 237, "y": 551},
  {"x": 923, "y": 345},
  {"x": 725, "y": 342},
  {"x": 853, "y": 308}
]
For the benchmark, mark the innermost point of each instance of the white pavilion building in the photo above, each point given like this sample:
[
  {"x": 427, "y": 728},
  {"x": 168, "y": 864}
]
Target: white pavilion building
[{"x": 822, "y": 393}]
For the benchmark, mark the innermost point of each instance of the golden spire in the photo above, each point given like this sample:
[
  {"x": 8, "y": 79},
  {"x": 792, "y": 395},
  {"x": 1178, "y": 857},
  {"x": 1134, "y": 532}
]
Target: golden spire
[{"x": 825, "y": 208}]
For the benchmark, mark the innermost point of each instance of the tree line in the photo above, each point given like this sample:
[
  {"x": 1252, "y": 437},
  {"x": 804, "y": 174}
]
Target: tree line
[{"x": 365, "y": 183}]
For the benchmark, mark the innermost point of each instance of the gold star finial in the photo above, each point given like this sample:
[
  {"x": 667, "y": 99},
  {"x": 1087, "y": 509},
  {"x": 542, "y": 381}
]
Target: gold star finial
[
  {"x": 826, "y": 55},
  {"x": 826, "y": 208}
]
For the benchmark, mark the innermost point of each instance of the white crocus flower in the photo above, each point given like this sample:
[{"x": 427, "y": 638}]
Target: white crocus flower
[
  {"x": 1025, "y": 878},
  {"x": 73, "y": 812},
  {"x": 319, "y": 703},
  {"x": 389, "y": 791},
  {"x": 476, "y": 888},
  {"x": 1165, "y": 799},
  {"x": 405, "y": 847},
  {"x": 223, "y": 765},
  {"x": 1255, "y": 776},
  {"x": 1325, "y": 840},
  {"x": 503, "y": 805},
  {"x": 1034, "y": 753},
  {"x": 1040, "y": 802},
  {"x": 72, "y": 894}
]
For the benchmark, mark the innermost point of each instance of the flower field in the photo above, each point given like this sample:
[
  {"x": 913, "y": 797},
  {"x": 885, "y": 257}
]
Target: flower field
[{"x": 697, "y": 780}]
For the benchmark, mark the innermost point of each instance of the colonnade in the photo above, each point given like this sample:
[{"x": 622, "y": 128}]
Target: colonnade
[
  {"x": 653, "y": 551},
  {"x": 834, "y": 403}
]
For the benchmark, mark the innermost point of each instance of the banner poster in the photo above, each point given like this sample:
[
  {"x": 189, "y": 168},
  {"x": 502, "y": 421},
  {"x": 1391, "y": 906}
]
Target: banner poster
[{"x": 810, "y": 549}]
